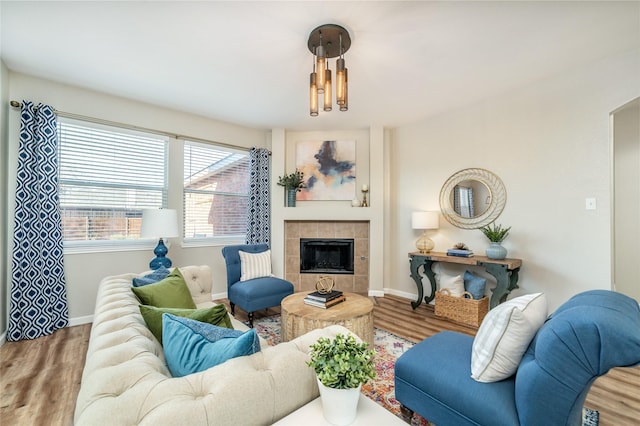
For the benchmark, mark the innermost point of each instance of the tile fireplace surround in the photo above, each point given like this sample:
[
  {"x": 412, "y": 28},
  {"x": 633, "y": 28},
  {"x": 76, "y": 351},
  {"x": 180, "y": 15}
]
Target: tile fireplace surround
[{"x": 358, "y": 230}]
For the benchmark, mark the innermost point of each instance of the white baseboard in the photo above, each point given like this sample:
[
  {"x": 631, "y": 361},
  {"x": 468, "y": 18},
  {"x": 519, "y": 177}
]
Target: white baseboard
[
  {"x": 80, "y": 320},
  {"x": 393, "y": 292},
  {"x": 218, "y": 296}
]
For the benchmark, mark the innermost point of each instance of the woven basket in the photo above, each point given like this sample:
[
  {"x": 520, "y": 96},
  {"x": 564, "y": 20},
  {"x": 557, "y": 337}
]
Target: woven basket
[{"x": 460, "y": 309}]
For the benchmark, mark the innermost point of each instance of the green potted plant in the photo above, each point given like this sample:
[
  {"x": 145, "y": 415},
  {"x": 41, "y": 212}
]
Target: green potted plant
[
  {"x": 342, "y": 366},
  {"x": 292, "y": 183},
  {"x": 496, "y": 234}
]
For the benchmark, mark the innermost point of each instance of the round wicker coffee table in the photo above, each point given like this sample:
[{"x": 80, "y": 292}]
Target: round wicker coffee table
[{"x": 355, "y": 313}]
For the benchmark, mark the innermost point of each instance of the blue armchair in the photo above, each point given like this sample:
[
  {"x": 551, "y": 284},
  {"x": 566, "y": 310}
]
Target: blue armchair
[
  {"x": 254, "y": 294},
  {"x": 591, "y": 333}
]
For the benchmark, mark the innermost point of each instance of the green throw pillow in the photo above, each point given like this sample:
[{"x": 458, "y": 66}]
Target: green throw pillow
[
  {"x": 172, "y": 292},
  {"x": 216, "y": 315}
]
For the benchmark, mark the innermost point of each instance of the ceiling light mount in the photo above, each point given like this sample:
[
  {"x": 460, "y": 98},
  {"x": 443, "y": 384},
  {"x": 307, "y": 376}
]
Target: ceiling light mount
[
  {"x": 328, "y": 36},
  {"x": 325, "y": 42}
]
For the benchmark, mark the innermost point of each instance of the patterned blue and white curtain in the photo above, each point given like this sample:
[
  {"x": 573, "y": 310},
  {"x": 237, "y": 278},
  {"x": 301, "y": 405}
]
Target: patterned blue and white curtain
[
  {"x": 259, "y": 209},
  {"x": 38, "y": 299}
]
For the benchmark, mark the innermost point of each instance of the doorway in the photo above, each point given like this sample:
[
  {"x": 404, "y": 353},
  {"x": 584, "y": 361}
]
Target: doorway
[{"x": 626, "y": 198}]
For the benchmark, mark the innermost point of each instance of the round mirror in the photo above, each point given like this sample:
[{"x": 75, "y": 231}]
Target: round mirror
[{"x": 472, "y": 198}]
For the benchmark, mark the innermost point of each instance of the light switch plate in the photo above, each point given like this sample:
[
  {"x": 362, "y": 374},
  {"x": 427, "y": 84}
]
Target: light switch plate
[{"x": 590, "y": 203}]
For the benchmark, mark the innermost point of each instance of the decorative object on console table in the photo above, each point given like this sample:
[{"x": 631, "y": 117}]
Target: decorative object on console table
[
  {"x": 424, "y": 221},
  {"x": 340, "y": 382},
  {"x": 496, "y": 234},
  {"x": 460, "y": 250},
  {"x": 158, "y": 223},
  {"x": 293, "y": 183},
  {"x": 365, "y": 189},
  {"x": 460, "y": 253}
]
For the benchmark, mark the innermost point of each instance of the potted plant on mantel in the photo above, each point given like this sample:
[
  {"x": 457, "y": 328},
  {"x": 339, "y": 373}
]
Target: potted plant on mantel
[
  {"x": 342, "y": 366},
  {"x": 292, "y": 183},
  {"x": 496, "y": 234}
]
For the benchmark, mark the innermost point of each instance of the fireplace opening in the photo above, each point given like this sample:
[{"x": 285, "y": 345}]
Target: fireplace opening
[{"x": 318, "y": 255}]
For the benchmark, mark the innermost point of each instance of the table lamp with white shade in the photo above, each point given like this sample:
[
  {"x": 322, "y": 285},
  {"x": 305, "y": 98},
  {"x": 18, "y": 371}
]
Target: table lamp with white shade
[
  {"x": 159, "y": 223},
  {"x": 424, "y": 221}
]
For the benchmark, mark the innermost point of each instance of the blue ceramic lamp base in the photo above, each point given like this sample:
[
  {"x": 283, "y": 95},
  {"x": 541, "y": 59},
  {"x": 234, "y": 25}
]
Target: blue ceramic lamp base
[{"x": 160, "y": 260}]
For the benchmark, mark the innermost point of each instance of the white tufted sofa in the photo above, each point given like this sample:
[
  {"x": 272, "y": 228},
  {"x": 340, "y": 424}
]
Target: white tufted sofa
[{"x": 126, "y": 380}]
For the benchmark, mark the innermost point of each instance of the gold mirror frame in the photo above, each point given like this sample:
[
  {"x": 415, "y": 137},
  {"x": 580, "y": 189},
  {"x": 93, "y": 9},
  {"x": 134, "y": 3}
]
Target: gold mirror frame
[{"x": 496, "y": 189}]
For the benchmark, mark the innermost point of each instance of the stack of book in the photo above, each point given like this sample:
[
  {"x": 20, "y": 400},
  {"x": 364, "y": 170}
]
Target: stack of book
[
  {"x": 460, "y": 253},
  {"x": 324, "y": 300}
]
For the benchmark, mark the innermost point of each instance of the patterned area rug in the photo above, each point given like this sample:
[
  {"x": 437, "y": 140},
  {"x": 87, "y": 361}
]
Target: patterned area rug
[{"x": 388, "y": 348}]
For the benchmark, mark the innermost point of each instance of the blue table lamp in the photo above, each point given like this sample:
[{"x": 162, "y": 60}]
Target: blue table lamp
[{"x": 158, "y": 223}]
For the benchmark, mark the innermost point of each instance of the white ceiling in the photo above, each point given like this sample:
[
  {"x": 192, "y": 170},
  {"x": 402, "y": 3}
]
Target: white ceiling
[{"x": 248, "y": 62}]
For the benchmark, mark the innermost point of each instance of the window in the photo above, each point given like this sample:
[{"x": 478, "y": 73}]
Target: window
[
  {"x": 107, "y": 176},
  {"x": 216, "y": 186}
]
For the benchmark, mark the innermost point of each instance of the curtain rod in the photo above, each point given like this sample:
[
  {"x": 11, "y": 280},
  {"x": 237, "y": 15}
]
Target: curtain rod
[{"x": 17, "y": 104}]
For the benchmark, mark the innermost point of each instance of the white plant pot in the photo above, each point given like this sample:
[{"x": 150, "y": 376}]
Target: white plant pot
[{"x": 339, "y": 406}]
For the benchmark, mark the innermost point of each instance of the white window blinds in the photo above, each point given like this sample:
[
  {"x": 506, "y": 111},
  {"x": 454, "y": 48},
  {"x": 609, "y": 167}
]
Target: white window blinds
[
  {"x": 107, "y": 176},
  {"x": 216, "y": 185}
]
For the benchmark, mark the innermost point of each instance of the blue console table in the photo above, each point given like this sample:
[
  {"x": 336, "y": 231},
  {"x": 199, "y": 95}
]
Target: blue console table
[{"x": 505, "y": 272}]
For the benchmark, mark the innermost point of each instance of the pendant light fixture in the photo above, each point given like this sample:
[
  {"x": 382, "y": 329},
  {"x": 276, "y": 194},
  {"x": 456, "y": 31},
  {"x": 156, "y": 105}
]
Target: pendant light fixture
[{"x": 326, "y": 42}]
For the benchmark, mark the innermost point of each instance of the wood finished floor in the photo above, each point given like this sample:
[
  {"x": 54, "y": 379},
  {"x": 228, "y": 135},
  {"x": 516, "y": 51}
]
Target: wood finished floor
[{"x": 40, "y": 379}]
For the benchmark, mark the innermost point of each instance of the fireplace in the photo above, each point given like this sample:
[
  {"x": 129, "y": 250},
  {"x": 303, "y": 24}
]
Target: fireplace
[{"x": 333, "y": 256}]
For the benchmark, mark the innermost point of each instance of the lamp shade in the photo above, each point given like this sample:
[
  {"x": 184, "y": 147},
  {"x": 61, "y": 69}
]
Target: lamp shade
[
  {"x": 157, "y": 223},
  {"x": 425, "y": 220}
]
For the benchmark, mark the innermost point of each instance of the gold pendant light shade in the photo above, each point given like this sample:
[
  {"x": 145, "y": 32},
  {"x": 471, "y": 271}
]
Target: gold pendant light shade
[
  {"x": 325, "y": 42},
  {"x": 313, "y": 94},
  {"x": 321, "y": 65}
]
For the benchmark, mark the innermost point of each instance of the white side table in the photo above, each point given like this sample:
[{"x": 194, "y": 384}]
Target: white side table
[{"x": 369, "y": 414}]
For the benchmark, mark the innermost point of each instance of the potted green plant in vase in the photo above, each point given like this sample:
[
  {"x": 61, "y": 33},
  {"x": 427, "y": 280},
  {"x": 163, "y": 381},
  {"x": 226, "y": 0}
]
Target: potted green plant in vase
[
  {"x": 342, "y": 366},
  {"x": 496, "y": 234},
  {"x": 292, "y": 183}
]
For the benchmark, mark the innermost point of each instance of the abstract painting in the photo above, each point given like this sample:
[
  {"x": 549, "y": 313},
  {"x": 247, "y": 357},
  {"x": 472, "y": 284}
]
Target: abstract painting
[{"x": 329, "y": 169}]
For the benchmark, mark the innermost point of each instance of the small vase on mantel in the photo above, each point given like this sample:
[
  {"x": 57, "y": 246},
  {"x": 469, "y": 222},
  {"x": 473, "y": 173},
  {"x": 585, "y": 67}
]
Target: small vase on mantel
[
  {"x": 496, "y": 251},
  {"x": 291, "y": 197}
]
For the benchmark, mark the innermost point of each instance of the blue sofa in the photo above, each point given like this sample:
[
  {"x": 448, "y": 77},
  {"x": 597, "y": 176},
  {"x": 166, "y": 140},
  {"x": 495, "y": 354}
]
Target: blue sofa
[
  {"x": 256, "y": 294},
  {"x": 584, "y": 338}
]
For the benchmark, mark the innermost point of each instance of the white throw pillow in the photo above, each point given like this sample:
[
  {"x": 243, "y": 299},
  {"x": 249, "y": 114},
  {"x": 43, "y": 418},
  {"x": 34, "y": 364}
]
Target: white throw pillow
[
  {"x": 255, "y": 265},
  {"x": 453, "y": 283},
  {"x": 504, "y": 336}
]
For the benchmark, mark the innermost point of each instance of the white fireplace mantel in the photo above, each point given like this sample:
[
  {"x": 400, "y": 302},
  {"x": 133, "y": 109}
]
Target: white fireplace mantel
[
  {"x": 313, "y": 211},
  {"x": 334, "y": 210}
]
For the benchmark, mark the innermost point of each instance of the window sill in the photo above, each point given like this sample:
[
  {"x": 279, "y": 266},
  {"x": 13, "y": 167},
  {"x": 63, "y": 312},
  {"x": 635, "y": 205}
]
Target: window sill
[
  {"x": 81, "y": 247},
  {"x": 211, "y": 242}
]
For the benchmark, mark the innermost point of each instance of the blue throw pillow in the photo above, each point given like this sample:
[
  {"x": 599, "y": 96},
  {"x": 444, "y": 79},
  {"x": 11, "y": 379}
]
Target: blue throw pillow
[
  {"x": 191, "y": 346},
  {"x": 158, "y": 275},
  {"x": 474, "y": 285}
]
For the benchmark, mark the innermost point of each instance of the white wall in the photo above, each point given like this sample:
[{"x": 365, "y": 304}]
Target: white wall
[
  {"x": 626, "y": 151},
  {"x": 549, "y": 143},
  {"x": 84, "y": 271}
]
